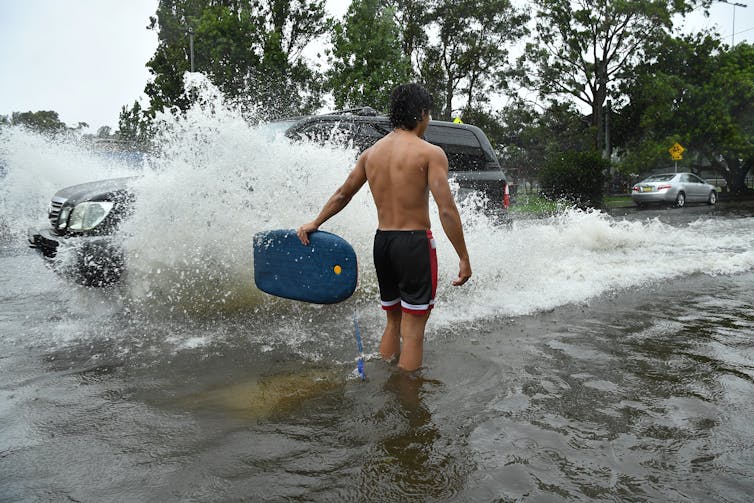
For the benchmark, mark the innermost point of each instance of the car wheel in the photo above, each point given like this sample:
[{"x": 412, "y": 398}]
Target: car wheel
[
  {"x": 712, "y": 199},
  {"x": 680, "y": 200}
]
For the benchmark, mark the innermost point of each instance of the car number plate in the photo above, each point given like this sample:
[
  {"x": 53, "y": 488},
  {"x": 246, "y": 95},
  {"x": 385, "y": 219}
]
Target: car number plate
[{"x": 646, "y": 189}]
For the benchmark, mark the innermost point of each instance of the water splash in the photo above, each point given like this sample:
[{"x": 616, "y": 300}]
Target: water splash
[
  {"x": 218, "y": 179},
  {"x": 36, "y": 166}
]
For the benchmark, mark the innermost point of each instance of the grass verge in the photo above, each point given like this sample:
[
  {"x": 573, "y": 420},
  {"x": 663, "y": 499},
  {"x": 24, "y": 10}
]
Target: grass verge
[{"x": 536, "y": 204}]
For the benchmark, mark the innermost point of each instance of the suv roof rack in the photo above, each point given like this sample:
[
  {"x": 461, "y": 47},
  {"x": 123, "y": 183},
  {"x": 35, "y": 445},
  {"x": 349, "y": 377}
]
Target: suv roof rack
[{"x": 365, "y": 111}]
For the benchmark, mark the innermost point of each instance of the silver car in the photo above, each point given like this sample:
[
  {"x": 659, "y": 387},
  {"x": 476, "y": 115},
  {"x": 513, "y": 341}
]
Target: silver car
[{"x": 673, "y": 188}]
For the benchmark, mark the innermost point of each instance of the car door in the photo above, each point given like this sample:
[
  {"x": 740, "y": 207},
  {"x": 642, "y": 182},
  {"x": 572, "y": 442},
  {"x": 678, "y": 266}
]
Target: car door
[
  {"x": 687, "y": 187},
  {"x": 697, "y": 188}
]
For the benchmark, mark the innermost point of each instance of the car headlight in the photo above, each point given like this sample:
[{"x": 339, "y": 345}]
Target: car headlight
[
  {"x": 87, "y": 216},
  {"x": 63, "y": 217}
]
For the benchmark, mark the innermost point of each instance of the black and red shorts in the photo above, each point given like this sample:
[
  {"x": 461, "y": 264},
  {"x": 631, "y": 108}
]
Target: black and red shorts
[{"x": 406, "y": 264}]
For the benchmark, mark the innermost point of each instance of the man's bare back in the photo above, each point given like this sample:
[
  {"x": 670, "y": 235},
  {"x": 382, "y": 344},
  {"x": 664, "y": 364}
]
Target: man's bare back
[
  {"x": 402, "y": 169},
  {"x": 397, "y": 169}
]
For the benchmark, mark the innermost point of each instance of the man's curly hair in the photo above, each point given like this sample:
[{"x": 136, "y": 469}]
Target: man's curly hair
[{"x": 407, "y": 102}]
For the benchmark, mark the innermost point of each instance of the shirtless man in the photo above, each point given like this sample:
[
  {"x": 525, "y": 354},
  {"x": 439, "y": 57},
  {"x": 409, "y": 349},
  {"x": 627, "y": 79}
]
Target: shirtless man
[{"x": 402, "y": 169}]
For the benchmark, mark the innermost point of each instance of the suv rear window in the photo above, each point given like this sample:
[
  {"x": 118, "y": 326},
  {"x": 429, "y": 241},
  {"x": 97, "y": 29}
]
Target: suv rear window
[
  {"x": 337, "y": 132},
  {"x": 462, "y": 147}
]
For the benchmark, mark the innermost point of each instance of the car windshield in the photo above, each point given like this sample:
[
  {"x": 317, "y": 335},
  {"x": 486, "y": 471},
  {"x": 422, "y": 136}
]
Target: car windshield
[
  {"x": 659, "y": 178},
  {"x": 275, "y": 128}
]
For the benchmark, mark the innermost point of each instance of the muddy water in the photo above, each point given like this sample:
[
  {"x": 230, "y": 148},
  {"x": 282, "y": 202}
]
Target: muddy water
[
  {"x": 638, "y": 395},
  {"x": 592, "y": 357}
]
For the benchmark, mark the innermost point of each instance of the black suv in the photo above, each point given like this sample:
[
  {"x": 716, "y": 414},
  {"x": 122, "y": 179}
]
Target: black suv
[{"x": 84, "y": 217}]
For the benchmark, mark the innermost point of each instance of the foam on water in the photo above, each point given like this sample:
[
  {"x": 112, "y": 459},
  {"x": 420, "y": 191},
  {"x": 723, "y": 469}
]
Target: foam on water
[
  {"x": 577, "y": 255},
  {"x": 218, "y": 180}
]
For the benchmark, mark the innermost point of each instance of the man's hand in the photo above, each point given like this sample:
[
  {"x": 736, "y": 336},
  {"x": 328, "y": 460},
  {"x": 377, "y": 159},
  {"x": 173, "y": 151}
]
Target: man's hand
[
  {"x": 304, "y": 231},
  {"x": 463, "y": 274}
]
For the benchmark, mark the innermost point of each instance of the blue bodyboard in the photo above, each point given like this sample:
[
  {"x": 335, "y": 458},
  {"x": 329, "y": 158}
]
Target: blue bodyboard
[{"x": 324, "y": 272}]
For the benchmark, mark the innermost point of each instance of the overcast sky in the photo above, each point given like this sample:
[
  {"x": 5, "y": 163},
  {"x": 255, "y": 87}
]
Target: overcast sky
[{"x": 85, "y": 58}]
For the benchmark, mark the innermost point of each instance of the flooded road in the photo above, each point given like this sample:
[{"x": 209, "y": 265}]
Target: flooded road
[
  {"x": 592, "y": 356},
  {"x": 640, "y": 394}
]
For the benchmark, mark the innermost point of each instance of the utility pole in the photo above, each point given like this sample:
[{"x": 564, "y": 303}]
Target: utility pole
[
  {"x": 734, "y": 4},
  {"x": 608, "y": 148},
  {"x": 191, "y": 47}
]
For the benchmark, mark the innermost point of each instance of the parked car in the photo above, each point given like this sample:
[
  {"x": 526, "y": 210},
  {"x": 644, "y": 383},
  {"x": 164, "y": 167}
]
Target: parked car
[
  {"x": 84, "y": 217},
  {"x": 673, "y": 188}
]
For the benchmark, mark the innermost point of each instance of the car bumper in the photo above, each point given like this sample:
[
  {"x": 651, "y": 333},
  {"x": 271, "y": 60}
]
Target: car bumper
[
  {"x": 653, "y": 197},
  {"x": 88, "y": 260}
]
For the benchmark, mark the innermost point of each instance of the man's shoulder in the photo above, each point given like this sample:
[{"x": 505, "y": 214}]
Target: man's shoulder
[
  {"x": 432, "y": 146},
  {"x": 432, "y": 150},
  {"x": 415, "y": 144}
]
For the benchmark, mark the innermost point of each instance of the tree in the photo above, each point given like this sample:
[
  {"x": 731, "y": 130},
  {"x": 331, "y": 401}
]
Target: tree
[
  {"x": 578, "y": 177},
  {"x": 250, "y": 50},
  {"x": 433, "y": 76},
  {"x": 698, "y": 93},
  {"x": 472, "y": 49},
  {"x": 583, "y": 48},
  {"x": 412, "y": 18},
  {"x": 367, "y": 58},
  {"x": 527, "y": 138},
  {"x": 728, "y": 98},
  {"x": 44, "y": 121},
  {"x": 104, "y": 132},
  {"x": 283, "y": 82},
  {"x": 135, "y": 125}
]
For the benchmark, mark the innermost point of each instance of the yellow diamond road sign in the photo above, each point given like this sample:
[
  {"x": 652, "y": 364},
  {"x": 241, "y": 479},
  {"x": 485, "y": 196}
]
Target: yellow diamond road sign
[{"x": 676, "y": 152}]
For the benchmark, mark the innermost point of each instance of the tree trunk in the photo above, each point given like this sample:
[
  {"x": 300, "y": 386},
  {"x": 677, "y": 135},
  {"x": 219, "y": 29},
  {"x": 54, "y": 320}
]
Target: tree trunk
[
  {"x": 448, "y": 100},
  {"x": 736, "y": 176},
  {"x": 597, "y": 124},
  {"x": 598, "y": 107}
]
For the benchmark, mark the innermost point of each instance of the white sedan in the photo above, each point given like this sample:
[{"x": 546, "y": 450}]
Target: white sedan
[{"x": 673, "y": 188}]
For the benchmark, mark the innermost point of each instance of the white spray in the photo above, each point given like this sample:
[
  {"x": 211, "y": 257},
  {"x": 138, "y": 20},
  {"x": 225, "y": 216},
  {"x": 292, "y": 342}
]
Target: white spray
[{"x": 219, "y": 180}]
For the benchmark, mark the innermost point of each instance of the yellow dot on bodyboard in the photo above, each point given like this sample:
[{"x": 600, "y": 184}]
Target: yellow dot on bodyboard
[{"x": 337, "y": 269}]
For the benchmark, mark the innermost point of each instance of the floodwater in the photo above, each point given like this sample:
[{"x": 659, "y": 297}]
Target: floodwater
[{"x": 592, "y": 357}]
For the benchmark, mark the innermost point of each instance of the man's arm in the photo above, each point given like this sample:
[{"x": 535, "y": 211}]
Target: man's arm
[
  {"x": 339, "y": 200},
  {"x": 437, "y": 177}
]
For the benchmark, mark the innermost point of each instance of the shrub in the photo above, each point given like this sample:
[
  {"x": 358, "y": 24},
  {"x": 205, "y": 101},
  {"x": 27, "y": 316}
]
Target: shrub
[{"x": 578, "y": 177}]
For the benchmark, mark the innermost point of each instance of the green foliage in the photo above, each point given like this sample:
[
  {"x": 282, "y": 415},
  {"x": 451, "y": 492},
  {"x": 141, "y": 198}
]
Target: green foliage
[
  {"x": 583, "y": 50},
  {"x": 472, "y": 52},
  {"x": 432, "y": 76},
  {"x": 135, "y": 125},
  {"x": 411, "y": 18},
  {"x": 524, "y": 138},
  {"x": 700, "y": 94},
  {"x": 578, "y": 177},
  {"x": 104, "y": 132},
  {"x": 250, "y": 50},
  {"x": 43, "y": 121},
  {"x": 535, "y": 204},
  {"x": 367, "y": 58}
]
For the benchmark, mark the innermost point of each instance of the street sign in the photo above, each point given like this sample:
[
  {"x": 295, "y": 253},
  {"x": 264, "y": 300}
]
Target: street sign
[{"x": 676, "y": 151}]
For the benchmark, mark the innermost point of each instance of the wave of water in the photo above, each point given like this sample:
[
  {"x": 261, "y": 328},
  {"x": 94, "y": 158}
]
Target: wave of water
[{"x": 219, "y": 179}]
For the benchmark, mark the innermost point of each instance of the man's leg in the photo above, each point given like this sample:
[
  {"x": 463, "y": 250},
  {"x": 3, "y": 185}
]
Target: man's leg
[
  {"x": 412, "y": 333},
  {"x": 390, "y": 347}
]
